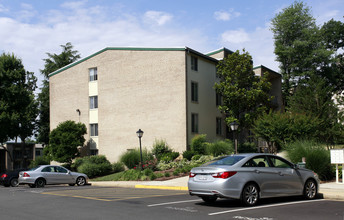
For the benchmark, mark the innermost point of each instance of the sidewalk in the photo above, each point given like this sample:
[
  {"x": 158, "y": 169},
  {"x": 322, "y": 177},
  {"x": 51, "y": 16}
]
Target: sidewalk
[{"x": 330, "y": 190}]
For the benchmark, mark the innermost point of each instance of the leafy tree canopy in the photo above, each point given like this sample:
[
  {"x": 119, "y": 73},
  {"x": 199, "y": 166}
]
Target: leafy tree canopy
[
  {"x": 245, "y": 95},
  {"x": 300, "y": 49},
  {"x": 65, "y": 140},
  {"x": 53, "y": 63},
  {"x": 18, "y": 108}
]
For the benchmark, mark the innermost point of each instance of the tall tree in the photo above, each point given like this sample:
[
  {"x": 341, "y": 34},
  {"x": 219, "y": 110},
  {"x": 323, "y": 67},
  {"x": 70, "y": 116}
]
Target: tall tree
[
  {"x": 53, "y": 63},
  {"x": 332, "y": 33},
  {"x": 298, "y": 47},
  {"x": 18, "y": 107},
  {"x": 65, "y": 140},
  {"x": 245, "y": 96}
]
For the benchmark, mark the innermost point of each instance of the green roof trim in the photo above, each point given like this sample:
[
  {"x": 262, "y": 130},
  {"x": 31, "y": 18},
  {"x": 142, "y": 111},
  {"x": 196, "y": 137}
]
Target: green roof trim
[
  {"x": 218, "y": 51},
  {"x": 116, "y": 48},
  {"x": 264, "y": 67}
]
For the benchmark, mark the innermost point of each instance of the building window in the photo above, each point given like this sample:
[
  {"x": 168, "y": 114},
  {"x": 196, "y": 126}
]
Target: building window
[
  {"x": 94, "y": 152},
  {"x": 93, "y": 102},
  {"x": 94, "y": 129},
  {"x": 219, "y": 126},
  {"x": 194, "y": 92},
  {"x": 194, "y": 63},
  {"x": 194, "y": 123},
  {"x": 218, "y": 99},
  {"x": 93, "y": 74}
]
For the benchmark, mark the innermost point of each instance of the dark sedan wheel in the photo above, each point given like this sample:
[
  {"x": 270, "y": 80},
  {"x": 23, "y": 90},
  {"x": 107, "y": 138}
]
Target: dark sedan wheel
[
  {"x": 250, "y": 195},
  {"x": 14, "y": 182},
  {"x": 81, "y": 181},
  {"x": 40, "y": 183},
  {"x": 310, "y": 190},
  {"x": 209, "y": 199}
]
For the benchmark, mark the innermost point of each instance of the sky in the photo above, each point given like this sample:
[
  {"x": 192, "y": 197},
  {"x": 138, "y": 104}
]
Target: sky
[{"x": 32, "y": 28}]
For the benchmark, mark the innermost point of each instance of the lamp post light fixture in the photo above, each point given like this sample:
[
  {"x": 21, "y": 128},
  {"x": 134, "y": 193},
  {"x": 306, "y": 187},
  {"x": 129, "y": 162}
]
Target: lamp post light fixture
[
  {"x": 140, "y": 134},
  {"x": 234, "y": 127}
]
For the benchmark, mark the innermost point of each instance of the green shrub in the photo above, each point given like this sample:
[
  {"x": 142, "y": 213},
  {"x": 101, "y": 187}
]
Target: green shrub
[
  {"x": 152, "y": 176},
  {"x": 132, "y": 158},
  {"x": 147, "y": 172},
  {"x": 317, "y": 157},
  {"x": 160, "y": 148},
  {"x": 247, "y": 147},
  {"x": 176, "y": 172},
  {"x": 39, "y": 161},
  {"x": 117, "y": 167},
  {"x": 220, "y": 148},
  {"x": 93, "y": 166},
  {"x": 198, "y": 144},
  {"x": 188, "y": 154},
  {"x": 196, "y": 157},
  {"x": 169, "y": 156},
  {"x": 93, "y": 170},
  {"x": 167, "y": 174}
]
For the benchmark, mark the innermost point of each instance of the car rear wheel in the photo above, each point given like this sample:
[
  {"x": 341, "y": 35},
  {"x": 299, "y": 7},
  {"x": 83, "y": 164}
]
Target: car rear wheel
[
  {"x": 14, "y": 182},
  {"x": 81, "y": 181},
  {"x": 40, "y": 183},
  {"x": 209, "y": 199},
  {"x": 310, "y": 189},
  {"x": 250, "y": 195}
]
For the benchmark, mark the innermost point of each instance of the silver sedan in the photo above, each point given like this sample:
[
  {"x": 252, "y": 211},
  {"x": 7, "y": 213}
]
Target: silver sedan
[
  {"x": 49, "y": 174},
  {"x": 250, "y": 177}
]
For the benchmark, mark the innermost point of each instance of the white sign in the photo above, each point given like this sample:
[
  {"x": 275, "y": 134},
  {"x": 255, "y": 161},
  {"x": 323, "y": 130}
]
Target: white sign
[{"x": 337, "y": 156}]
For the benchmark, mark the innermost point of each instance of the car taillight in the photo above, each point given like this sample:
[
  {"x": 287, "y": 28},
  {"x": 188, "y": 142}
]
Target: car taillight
[
  {"x": 26, "y": 175},
  {"x": 192, "y": 175},
  {"x": 4, "y": 175},
  {"x": 224, "y": 175}
]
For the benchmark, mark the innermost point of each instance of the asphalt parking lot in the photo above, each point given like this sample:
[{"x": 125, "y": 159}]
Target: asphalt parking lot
[{"x": 92, "y": 202}]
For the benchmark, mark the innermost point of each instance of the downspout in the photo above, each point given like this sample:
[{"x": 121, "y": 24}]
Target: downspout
[{"x": 186, "y": 98}]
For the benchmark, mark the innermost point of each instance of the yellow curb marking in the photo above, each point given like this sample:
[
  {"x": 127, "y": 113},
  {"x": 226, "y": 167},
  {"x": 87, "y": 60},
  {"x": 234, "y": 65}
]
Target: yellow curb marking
[{"x": 184, "y": 188}]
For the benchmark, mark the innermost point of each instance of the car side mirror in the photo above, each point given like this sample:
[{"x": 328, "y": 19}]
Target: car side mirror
[{"x": 295, "y": 166}]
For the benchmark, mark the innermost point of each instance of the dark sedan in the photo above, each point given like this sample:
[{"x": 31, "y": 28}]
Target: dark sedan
[{"x": 10, "y": 178}]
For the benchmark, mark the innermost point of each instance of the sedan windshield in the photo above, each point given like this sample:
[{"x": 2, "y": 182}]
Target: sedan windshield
[{"x": 227, "y": 160}]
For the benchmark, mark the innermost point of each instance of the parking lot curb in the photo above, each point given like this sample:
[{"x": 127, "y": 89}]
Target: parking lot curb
[{"x": 182, "y": 188}]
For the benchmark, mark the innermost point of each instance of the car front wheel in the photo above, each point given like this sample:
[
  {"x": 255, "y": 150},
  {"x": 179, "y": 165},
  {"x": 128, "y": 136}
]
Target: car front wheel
[
  {"x": 250, "y": 195},
  {"x": 310, "y": 190},
  {"x": 81, "y": 181}
]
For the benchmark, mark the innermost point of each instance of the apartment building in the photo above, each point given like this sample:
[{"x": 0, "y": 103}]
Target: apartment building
[{"x": 166, "y": 92}]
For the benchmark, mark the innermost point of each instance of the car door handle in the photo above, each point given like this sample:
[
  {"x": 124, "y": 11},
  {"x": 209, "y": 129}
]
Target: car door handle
[
  {"x": 257, "y": 171},
  {"x": 281, "y": 174}
]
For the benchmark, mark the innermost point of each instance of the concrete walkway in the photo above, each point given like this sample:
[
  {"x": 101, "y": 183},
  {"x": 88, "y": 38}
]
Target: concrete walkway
[{"x": 330, "y": 190}]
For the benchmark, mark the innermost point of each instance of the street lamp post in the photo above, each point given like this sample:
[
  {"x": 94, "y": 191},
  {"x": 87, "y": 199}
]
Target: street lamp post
[
  {"x": 140, "y": 134},
  {"x": 234, "y": 127}
]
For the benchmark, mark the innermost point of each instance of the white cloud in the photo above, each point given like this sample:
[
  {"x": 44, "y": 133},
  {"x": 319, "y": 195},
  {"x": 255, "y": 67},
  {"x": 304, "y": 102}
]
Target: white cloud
[
  {"x": 157, "y": 17},
  {"x": 235, "y": 36},
  {"x": 226, "y": 15},
  {"x": 89, "y": 29},
  {"x": 259, "y": 43}
]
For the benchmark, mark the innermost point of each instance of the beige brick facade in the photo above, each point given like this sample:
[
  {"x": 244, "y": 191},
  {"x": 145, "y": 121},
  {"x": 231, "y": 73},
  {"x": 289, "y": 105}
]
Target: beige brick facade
[{"x": 139, "y": 88}]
